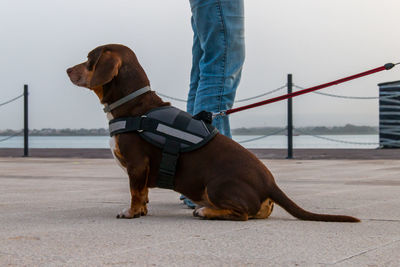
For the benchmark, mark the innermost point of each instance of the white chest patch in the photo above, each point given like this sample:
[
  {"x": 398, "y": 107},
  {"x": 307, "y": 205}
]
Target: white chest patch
[
  {"x": 113, "y": 144},
  {"x": 109, "y": 116}
]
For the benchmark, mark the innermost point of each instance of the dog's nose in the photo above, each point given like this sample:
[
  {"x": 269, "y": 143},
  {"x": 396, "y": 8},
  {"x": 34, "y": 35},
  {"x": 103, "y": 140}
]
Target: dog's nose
[{"x": 69, "y": 70}]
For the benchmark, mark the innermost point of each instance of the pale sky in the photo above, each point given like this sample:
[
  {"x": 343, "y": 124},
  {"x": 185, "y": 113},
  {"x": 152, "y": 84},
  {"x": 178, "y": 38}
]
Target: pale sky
[{"x": 316, "y": 40}]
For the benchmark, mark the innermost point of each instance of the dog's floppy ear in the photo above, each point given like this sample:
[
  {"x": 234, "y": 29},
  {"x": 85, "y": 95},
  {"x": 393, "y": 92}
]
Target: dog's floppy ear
[{"x": 105, "y": 66}]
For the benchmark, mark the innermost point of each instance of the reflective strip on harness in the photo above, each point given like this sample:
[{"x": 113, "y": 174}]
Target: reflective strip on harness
[
  {"x": 178, "y": 134},
  {"x": 116, "y": 126}
]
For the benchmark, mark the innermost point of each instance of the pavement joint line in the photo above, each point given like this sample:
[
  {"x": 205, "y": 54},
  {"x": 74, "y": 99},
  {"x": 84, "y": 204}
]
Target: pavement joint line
[
  {"x": 7, "y": 254},
  {"x": 332, "y": 193},
  {"x": 107, "y": 202},
  {"x": 365, "y": 252},
  {"x": 376, "y": 202},
  {"x": 80, "y": 178},
  {"x": 168, "y": 242},
  {"x": 381, "y": 220}
]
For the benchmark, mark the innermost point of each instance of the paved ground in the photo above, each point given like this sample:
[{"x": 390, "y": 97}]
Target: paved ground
[
  {"x": 262, "y": 153},
  {"x": 61, "y": 212}
]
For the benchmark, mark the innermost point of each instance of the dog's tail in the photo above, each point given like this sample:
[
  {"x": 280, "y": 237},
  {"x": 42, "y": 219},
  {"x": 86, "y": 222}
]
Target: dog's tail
[{"x": 278, "y": 196}]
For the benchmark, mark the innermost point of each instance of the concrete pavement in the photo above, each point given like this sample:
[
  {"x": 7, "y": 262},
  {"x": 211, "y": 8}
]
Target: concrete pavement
[{"x": 61, "y": 212}]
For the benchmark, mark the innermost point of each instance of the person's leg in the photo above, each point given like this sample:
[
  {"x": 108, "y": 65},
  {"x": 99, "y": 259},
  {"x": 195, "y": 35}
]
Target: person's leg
[
  {"x": 197, "y": 53},
  {"x": 220, "y": 31},
  {"x": 218, "y": 55}
]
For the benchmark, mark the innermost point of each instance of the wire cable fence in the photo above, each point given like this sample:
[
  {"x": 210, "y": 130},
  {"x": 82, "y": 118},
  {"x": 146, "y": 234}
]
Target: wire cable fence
[
  {"x": 334, "y": 140},
  {"x": 3, "y": 139},
  {"x": 339, "y": 96},
  {"x": 172, "y": 98},
  {"x": 11, "y": 100},
  {"x": 260, "y": 95},
  {"x": 298, "y": 131},
  {"x": 262, "y": 136},
  {"x": 285, "y": 86},
  {"x": 11, "y": 136},
  {"x": 236, "y": 101}
]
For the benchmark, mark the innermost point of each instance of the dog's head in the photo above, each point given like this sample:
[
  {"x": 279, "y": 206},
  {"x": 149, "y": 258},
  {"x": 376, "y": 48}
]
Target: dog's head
[{"x": 111, "y": 71}]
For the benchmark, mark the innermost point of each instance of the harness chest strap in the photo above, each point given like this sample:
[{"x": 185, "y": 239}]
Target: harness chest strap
[
  {"x": 172, "y": 136},
  {"x": 170, "y": 152}
]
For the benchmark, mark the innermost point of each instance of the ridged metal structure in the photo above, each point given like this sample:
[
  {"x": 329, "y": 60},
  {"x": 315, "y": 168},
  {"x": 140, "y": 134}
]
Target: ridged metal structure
[{"x": 389, "y": 114}]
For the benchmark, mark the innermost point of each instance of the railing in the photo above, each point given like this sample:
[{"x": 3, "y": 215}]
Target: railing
[
  {"x": 290, "y": 128},
  {"x": 25, "y": 130}
]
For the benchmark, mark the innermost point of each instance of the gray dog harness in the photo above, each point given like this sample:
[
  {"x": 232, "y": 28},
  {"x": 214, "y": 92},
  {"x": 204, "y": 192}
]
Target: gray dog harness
[{"x": 172, "y": 130}]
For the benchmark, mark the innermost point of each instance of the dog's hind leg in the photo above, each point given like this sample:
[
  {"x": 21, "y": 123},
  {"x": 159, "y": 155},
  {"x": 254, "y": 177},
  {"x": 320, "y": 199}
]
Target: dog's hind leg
[
  {"x": 219, "y": 214},
  {"x": 225, "y": 214},
  {"x": 266, "y": 209},
  {"x": 221, "y": 202}
]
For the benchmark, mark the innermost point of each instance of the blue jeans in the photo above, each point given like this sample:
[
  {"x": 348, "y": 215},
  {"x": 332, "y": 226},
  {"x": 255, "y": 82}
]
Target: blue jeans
[{"x": 218, "y": 55}]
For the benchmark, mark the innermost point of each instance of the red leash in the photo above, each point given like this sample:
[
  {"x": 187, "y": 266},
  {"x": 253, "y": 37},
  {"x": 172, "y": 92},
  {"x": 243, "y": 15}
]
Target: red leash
[{"x": 387, "y": 66}]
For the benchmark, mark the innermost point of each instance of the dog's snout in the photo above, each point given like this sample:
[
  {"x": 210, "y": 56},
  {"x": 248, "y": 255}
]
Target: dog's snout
[{"x": 69, "y": 70}]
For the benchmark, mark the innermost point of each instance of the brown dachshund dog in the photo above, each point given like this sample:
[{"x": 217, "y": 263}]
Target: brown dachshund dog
[{"x": 223, "y": 178}]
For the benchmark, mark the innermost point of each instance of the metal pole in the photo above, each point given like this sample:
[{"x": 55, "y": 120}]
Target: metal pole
[
  {"x": 290, "y": 117},
  {"x": 26, "y": 129}
]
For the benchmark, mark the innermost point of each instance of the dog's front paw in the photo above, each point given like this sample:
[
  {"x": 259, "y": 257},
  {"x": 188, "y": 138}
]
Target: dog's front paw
[
  {"x": 129, "y": 213},
  {"x": 143, "y": 211},
  {"x": 198, "y": 212}
]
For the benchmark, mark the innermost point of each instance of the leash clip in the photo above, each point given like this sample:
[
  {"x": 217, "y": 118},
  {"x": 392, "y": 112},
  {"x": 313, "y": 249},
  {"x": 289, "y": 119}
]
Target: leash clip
[{"x": 220, "y": 113}]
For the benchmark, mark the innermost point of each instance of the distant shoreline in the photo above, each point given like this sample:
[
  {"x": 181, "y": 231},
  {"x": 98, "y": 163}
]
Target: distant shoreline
[{"x": 348, "y": 129}]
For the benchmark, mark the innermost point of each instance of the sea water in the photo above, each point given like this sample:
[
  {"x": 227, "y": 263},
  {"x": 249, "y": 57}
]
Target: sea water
[{"x": 275, "y": 141}]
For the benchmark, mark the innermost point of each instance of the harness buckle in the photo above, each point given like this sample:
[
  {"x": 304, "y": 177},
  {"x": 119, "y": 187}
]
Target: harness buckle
[
  {"x": 106, "y": 108},
  {"x": 141, "y": 119},
  {"x": 204, "y": 116}
]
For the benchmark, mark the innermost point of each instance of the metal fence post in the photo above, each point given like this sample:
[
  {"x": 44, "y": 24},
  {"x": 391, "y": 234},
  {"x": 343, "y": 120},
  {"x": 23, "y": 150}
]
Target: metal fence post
[
  {"x": 290, "y": 117},
  {"x": 26, "y": 129}
]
